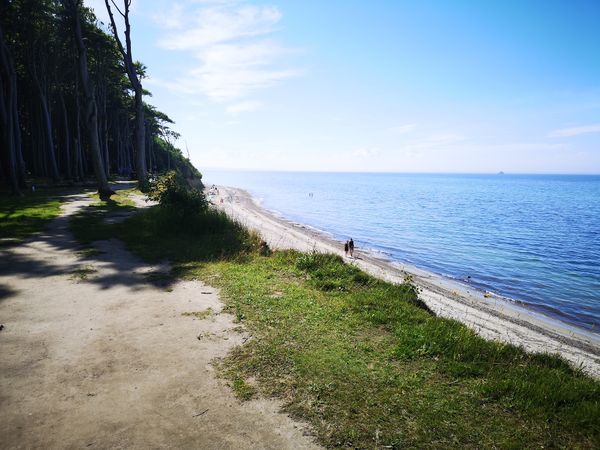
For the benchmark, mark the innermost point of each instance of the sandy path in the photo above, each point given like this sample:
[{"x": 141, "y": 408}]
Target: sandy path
[
  {"x": 110, "y": 362},
  {"x": 491, "y": 318}
]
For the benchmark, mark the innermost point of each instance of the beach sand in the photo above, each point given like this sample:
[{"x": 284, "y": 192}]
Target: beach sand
[{"x": 491, "y": 317}]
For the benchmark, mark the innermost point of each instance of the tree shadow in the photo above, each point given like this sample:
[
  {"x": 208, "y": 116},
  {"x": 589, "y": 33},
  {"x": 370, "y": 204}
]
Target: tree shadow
[
  {"x": 6, "y": 292},
  {"x": 57, "y": 252}
]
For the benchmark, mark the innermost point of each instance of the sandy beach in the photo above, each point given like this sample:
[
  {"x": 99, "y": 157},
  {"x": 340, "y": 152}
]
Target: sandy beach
[{"x": 491, "y": 317}]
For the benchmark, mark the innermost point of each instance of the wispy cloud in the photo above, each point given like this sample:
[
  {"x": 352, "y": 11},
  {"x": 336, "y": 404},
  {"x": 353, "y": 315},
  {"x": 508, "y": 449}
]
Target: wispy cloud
[
  {"x": 172, "y": 18},
  {"x": 242, "y": 107},
  {"x": 219, "y": 24},
  {"x": 231, "y": 45},
  {"x": 402, "y": 129},
  {"x": 576, "y": 131}
]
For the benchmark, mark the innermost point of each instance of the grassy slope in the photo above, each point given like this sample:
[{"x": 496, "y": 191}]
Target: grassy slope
[
  {"x": 23, "y": 216},
  {"x": 362, "y": 360}
]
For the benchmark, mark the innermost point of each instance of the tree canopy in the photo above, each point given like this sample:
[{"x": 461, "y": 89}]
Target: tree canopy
[{"x": 52, "y": 109}]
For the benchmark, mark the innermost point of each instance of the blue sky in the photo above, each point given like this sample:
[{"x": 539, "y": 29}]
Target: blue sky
[{"x": 427, "y": 86}]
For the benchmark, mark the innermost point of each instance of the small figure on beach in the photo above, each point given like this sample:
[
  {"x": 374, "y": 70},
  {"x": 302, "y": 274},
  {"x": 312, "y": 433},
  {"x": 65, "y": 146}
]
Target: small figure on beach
[
  {"x": 351, "y": 247},
  {"x": 346, "y": 248}
]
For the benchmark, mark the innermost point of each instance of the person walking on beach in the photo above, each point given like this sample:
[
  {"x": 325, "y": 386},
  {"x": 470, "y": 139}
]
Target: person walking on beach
[
  {"x": 351, "y": 247},
  {"x": 346, "y": 248}
]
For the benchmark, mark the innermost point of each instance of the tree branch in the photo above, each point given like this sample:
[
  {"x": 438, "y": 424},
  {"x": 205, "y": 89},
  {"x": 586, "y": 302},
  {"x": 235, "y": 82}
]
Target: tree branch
[{"x": 114, "y": 26}]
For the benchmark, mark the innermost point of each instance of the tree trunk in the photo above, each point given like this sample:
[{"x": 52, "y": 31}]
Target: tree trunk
[
  {"x": 7, "y": 96},
  {"x": 91, "y": 109},
  {"x": 11, "y": 134},
  {"x": 140, "y": 136},
  {"x": 66, "y": 136},
  {"x": 47, "y": 125},
  {"x": 140, "y": 128}
]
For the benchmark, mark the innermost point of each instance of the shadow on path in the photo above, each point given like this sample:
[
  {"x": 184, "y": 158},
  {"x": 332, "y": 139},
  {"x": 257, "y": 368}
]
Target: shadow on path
[{"x": 56, "y": 252}]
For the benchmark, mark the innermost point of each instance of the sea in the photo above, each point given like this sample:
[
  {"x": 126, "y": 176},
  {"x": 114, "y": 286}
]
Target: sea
[{"x": 533, "y": 239}]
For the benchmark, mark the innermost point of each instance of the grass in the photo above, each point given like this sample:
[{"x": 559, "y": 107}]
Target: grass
[
  {"x": 83, "y": 273},
  {"x": 121, "y": 198},
  {"x": 21, "y": 216},
  {"x": 89, "y": 225},
  {"x": 364, "y": 361},
  {"x": 242, "y": 389},
  {"x": 199, "y": 314}
]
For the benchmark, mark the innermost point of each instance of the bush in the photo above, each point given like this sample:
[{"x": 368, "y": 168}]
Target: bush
[{"x": 172, "y": 191}]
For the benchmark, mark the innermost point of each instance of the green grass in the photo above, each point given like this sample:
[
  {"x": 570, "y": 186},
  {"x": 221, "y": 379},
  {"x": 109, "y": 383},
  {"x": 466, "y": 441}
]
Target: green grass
[
  {"x": 242, "y": 389},
  {"x": 90, "y": 225},
  {"x": 121, "y": 198},
  {"x": 83, "y": 273},
  {"x": 210, "y": 236},
  {"x": 364, "y": 361},
  {"x": 22, "y": 216},
  {"x": 199, "y": 314}
]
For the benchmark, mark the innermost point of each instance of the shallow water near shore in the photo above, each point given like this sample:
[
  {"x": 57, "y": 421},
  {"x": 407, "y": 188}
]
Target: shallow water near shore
[{"x": 531, "y": 238}]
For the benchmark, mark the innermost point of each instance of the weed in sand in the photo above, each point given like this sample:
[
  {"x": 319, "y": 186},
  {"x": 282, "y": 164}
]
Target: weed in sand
[
  {"x": 199, "y": 314},
  {"x": 82, "y": 273},
  {"x": 242, "y": 389}
]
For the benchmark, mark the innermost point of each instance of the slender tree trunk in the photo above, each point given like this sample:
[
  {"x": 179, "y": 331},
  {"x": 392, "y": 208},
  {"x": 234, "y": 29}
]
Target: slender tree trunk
[
  {"x": 42, "y": 143},
  {"x": 47, "y": 125},
  {"x": 140, "y": 136},
  {"x": 140, "y": 141},
  {"x": 105, "y": 135},
  {"x": 67, "y": 135},
  {"x": 7, "y": 112},
  {"x": 77, "y": 138},
  {"x": 91, "y": 109}
]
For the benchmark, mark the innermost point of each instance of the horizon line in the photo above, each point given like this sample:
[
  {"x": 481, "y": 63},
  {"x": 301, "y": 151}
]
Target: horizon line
[{"x": 399, "y": 172}]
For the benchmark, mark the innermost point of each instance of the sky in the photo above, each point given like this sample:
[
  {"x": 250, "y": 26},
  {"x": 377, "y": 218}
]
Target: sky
[{"x": 376, "y": 86}]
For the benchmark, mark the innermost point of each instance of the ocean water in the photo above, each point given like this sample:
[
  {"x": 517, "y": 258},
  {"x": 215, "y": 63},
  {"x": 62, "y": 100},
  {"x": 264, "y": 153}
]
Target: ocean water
[{"x": 532, "y": 238}]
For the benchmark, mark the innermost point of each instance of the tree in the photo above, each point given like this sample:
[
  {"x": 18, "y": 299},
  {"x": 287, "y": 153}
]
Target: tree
[
  {"x": 130, "y": 67},
  {"x": 91, "y": 108},
  {"x": 75, "y": 101},
  {"x": 9, "y": 114}
]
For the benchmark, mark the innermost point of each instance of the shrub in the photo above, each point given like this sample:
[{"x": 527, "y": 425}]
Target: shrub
[{"x": 172, "y": 191}]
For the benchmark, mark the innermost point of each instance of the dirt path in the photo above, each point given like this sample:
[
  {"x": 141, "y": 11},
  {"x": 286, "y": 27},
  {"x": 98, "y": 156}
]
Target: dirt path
[{"x": 96, "y": 353}]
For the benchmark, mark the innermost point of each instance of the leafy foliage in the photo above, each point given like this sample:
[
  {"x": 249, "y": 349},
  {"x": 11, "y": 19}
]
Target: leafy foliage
[
  {"x": 53, "y": 143},
  {"x": 172, "y": 191}
]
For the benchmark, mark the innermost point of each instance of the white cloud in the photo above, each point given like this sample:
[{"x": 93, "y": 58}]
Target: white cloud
[
  {"x": 366, "y": 152},
  {"x": 402, "y": 129},
  {"x": 222, "y": 24},
  {"x": 230, "y": 47},
  {"x": 241, "y": 107},
  {"x": 170, "y": 18},
  {"x": 576, "y": 131}
]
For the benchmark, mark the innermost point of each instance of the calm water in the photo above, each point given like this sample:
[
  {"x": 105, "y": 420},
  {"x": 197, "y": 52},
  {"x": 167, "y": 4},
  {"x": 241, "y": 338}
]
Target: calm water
[{"x": 533, "y": 238}]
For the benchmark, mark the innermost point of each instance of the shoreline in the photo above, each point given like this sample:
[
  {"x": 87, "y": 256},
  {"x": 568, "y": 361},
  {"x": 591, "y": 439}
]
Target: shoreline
[{"x": 492, "y": 318}]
